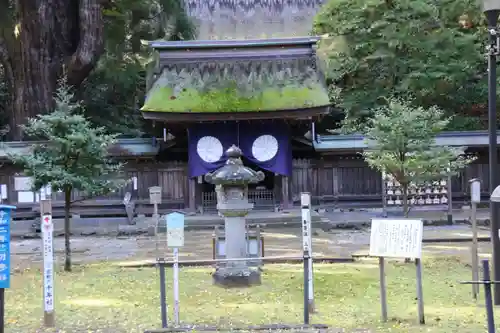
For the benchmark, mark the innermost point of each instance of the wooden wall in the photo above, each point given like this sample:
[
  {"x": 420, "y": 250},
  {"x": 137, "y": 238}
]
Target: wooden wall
[
  {"x": 349, "y": 178},
  {"x": 330, "y": 179},
  {"x": 172, "y": 177}
]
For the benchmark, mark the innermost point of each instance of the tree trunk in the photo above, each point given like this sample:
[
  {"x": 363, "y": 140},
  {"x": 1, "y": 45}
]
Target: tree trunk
[
  {"x": 55, "y": 38},
  {"x": 406, "y": 208},
  {"x": 67, "y": 228}
]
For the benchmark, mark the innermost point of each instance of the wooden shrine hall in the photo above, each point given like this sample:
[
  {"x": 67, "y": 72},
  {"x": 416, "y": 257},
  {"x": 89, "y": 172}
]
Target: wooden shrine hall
[{"x": 261, "y": 95}]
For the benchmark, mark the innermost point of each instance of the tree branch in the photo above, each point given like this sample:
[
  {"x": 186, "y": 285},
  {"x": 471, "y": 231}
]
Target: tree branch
[{"x": 91, "y": 45}]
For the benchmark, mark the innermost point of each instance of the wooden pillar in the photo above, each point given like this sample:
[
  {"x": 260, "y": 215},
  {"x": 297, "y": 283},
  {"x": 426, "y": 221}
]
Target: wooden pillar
[
  {"x": 192, "y": 194},
  {"x": 285, "y": 192}
]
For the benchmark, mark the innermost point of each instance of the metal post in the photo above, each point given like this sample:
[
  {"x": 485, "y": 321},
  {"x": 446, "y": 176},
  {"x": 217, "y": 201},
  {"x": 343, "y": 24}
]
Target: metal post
[
  {"x": 493, "y": 158},
  {"x": 2, "y": 310},
  {"x": 163, "y": 294},
  {"x": 306, "y": 288},
  {"x": 474, "y": 251},
  {"x": 475, "y": 195},
  {"x": 176, "y": 287},
  {"x": 487, "y": 297},
  {"x": 420, "y": 293}
]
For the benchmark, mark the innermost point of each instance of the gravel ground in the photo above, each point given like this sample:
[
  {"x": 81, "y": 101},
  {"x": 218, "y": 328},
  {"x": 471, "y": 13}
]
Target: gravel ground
[{"x": 198, "y": 245}]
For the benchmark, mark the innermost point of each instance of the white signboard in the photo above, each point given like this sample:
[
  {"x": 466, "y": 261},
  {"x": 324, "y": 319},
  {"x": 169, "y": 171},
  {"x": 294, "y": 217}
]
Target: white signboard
[
  {"x": 48, "y": 262},
  {"x": 401, "y": 238},
  {"x": 3, "y": 191},
  {"x": 175, "y": 230},
  {"x": 22, "y": 183},
  {"x": 475, "y": 191}
]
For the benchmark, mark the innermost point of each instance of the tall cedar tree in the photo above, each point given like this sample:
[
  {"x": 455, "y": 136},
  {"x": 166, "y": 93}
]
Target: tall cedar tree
[
  {"x": 72, "y": 156},
  {"x": 40, "y": 41},
  {"x": 401, "y": 140}
]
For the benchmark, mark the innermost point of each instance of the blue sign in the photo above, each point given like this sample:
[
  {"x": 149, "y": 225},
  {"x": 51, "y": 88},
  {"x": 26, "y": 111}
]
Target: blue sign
[
  {"x": 5, "y": 219},
  {"x": 175, "y": 221}
]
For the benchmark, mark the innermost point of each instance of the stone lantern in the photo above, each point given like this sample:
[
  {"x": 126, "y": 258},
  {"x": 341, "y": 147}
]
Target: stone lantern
[{"x": 231, "y": 183}]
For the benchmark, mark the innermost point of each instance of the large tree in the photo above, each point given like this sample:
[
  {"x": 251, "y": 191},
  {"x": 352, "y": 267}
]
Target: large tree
[
  {"x": 41, "y": 40},
  {"x": 431, "y": 50}
]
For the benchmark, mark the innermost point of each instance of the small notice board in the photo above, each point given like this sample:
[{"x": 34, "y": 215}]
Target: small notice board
[
  {"x": 175, "y": 230},
  {"x": 398, "y": 238}
]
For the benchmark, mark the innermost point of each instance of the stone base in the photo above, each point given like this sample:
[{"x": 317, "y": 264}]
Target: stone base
[{"x": 239, "y": 279}]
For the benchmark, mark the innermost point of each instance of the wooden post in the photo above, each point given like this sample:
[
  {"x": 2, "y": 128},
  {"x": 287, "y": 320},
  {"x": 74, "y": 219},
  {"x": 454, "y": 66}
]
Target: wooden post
[
  {"x": 450, "y": 201},
  {"x": 192, "y": 194},
  {"x": 285, "y": 192},
  {"x": 47, "y": 227},
  {"x": 420, "y": 293},
  {"x": 383, "y": 290},
  {"x": 305, "y": 202}
]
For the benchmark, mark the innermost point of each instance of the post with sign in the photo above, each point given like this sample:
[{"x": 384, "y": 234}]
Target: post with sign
[
  {"x": 401, "y": 238},
  {"x": 5, "y": 220},
  {"x": 175, "y": 240},
  {"x": 305, "y": 201},
  {"x": 155, "y": 200},
  {"x": 475, "y": 198},
  {"x": 47, "y": 227}
]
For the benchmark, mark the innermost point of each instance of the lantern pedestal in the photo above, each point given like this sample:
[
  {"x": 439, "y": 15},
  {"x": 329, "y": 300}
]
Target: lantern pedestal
[
  {"x": 235, "y": 273},
  {"x": 232, "y": 202}
]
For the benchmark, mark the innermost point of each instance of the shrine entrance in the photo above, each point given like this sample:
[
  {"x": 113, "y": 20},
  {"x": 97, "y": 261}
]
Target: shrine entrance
[{"x": 236, "y": 92}]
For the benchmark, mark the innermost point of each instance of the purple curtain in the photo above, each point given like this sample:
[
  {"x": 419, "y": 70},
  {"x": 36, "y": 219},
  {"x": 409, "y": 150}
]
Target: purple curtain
[
  {"x": 206, "y": 139},
  {"x": 281, "y": 162}
]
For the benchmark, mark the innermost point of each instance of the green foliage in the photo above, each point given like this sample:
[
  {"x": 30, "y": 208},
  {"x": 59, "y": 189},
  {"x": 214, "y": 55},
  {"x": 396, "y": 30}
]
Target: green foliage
[
  {"x": 432, "y": 51},
  {"x": 113, "y": 95},
  {"x": 74, "y": 155},
  {"x": 401, "y": 139}
]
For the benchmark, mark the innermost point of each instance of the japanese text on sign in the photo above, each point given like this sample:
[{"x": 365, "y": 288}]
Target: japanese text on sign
[
  {"x": 306, "y": 230},
  {"x": 5, "y": 218},
  {"x": 48, "y": 262},
  {"x": 175, "y": 230},
  {"x": 396, "y": 238}
]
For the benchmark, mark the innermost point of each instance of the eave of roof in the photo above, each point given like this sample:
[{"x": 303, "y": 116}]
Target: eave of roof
[
  {"x": 249, "y": 43},
  {"x": 358, "y": 142},
  {"x": 123, "y": 147}
]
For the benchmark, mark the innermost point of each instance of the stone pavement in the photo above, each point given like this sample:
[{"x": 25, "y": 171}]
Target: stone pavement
[
  {"x": 340, "y": 218},
  {"x": 326, "y": 219},
  {"x": 282, "y": 241}
]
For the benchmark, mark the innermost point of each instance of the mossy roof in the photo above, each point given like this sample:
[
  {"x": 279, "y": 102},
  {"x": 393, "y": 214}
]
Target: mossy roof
[{"x": 237, "y": 87}]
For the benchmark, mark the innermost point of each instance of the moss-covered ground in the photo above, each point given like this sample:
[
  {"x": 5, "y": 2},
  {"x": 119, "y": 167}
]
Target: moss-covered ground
[{"x": 105, "y": 298}]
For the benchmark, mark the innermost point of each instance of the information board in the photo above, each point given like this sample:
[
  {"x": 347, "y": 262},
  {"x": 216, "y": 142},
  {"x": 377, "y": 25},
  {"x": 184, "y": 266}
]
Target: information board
[
  {"x": 175, "y": 230},
  {"x": 5, "y": 219},
  {"x": 397, "y": 238}
]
